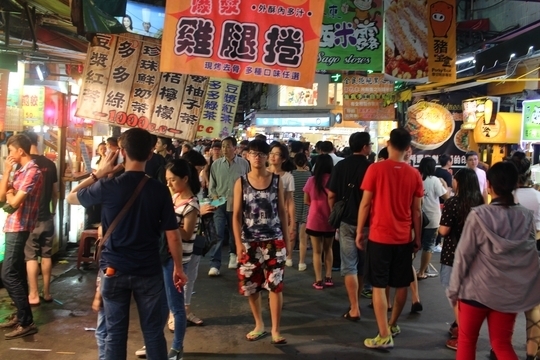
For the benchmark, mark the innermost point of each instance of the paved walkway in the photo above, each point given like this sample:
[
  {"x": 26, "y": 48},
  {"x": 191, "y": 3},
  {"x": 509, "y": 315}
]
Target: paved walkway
[{"x": 311, "y": 322}]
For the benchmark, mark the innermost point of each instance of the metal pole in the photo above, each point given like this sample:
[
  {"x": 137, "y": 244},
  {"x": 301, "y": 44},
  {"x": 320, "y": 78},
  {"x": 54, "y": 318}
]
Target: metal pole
[{"x": 62, "y": 135}]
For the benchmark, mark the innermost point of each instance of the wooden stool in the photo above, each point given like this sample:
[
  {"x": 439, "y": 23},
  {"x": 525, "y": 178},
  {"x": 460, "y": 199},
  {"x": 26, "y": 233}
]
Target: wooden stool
[{"x": 88, "y": 238}]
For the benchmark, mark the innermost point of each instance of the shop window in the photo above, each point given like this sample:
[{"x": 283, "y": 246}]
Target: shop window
[
  {"x": 297, "y": 96},
  {"x": 335, "y": 94}
]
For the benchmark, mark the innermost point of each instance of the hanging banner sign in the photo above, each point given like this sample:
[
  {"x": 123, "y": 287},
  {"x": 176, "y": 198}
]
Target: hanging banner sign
[
  {"x": 4, "y": 85},
  {"x": 271, "y": 41},
  {"x": 406, "y": 44},
  {"x": 351, "y": 36},
  {"x": 122, "y": 85},
  {"x": 531, "y": 120},
  {"x": 363, "y": 98},
  {"x": 219, "y": 108},
  {"x": 33, "y": 105},
  {"x": 442, "y": 40}
]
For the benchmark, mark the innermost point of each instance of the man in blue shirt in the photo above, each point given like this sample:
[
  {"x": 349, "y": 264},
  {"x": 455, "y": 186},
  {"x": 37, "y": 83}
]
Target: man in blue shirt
[{"x": 130, "y": 259}]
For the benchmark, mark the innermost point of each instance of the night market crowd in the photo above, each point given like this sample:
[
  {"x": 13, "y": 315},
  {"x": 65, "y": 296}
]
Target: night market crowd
[{"x": 165, "y": 204}]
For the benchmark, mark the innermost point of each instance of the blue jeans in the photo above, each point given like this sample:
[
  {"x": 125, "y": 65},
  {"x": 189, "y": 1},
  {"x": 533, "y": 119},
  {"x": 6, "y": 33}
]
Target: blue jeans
[
  {"x": 149, "y": 295},
  {"x": 222, "y": 218},
  {"x": 192, "y": 271},
  {"x": 14, "y": 275},
  {"x": 101, "y": 327},
  {"x": 175, "y": 299}
]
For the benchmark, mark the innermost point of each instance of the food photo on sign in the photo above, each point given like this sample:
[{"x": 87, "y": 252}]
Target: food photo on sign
[{"x": 435, "y": 127}]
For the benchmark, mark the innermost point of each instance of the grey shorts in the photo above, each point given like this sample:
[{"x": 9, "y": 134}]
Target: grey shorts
[
  {"x": 352, "y": 259},
  {"x": 40, "y": 240}
]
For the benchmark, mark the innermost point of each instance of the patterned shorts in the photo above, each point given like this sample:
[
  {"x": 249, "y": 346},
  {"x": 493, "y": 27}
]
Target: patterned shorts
[{"x": 262, "y": 267}]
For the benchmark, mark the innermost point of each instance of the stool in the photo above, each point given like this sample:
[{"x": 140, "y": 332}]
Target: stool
[{"x": 88, "y": 238}]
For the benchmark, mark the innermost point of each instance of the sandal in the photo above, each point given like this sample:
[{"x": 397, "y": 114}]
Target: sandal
[
  {"x": 280, "y": 340},
  {"x": 420, "y": 277},
  {"x": 193, "y": 320},
  {"x": 349, "y": 317},
  {"x": 255, "y": 335}
]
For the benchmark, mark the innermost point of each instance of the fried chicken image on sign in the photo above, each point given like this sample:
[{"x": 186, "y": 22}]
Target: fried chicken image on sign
[{"x": 440, "y": 18}]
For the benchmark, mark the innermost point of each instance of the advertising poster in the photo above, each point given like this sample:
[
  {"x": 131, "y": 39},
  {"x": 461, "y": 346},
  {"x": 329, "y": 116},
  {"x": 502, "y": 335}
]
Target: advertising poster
[
  {"x": 435, "y": 125},
  {"x": 219, "y": 109},
  {"x": 442, "y": 40},
  {"x": 143, "y": 19},
  {"x": 406, "y": 40},
  {"x": 122, "y": 85},
  {"x": 33, "y": 105},
  {"x": 351, "y": 36},
  {"x": 4, "y": 85},
  {"x": 531, "y": 120},
  {"x": 363, "y": 98},
  {"x": 271, "y": 41}
]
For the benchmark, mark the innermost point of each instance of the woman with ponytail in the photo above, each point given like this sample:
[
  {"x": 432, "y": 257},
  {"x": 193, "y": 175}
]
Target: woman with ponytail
[{"x": 496, "y": 270}]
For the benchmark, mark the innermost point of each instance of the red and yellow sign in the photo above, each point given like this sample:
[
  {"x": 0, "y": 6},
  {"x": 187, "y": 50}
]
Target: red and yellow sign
[
  {"x": 269, "y": 41},
  {"x": 219, "y": 108},
  {"x": 363, "y": 98},
  {"x": 442, "y": 40},
  {"x": 33, "y": 105}
]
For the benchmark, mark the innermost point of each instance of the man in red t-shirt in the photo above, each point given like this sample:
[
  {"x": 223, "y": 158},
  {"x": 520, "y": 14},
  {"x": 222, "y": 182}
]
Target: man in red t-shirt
[{"x": 393, "y": 193}]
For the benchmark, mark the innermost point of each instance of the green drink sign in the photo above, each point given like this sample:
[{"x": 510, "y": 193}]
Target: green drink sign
[{"x": 531, "y": 120}]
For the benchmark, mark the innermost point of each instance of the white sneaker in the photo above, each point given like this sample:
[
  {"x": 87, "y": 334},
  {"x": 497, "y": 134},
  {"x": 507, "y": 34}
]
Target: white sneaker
[
  {"x": 288, "y": 262},
  {"x": 232, "y": 261},
  {"x": 302, "y": 267},
  {"x": 141, "y": 351},
  {"x": 437, "y": 249},
  {"x": 213, "y": 272}
]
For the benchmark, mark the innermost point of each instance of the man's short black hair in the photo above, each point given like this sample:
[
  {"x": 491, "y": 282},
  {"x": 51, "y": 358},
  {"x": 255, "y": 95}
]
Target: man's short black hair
[
  {"x": 260, "y": 137},
  {"x": 318, "y": 145},
  {"x": 33, "y": 137},
  {"x": 327, "y": 147},
  {"x": 400, "y": 139},
  {"x": 165, "y": 141},
  {"x": 137, "y": 143},
  {"x": 358, "y": 140},
  {"x": 244, "y": 142},
  {"x": 20, "y": 141},
  {"x": 469, "y": 154},
  {"x": 297, "y": 146},
  {"x": 260, "y": 146},
  {"x": 444, "y": 159},
  {"x": 216, "y": 144},
  {"x": 383, "y": 153},
  {"x": 112, "y": 141},
  {"x": 231, "y": 139}
]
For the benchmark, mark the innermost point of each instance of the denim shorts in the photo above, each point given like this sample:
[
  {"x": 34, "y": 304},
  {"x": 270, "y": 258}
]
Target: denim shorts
[
  {"x": 429, "y": 236},
  {"x": 444, "y": 274},
  {"x": 352, "y": 259}
]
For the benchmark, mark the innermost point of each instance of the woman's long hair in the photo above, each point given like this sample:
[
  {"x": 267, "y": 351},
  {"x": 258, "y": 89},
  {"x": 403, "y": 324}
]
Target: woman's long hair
[
  {"x": 468, "y": 193},
  {"x": 182, "y": 168},
  {"x": 503, "y": 179},
  {"x": 427, "y": 167},
  {"x": 523, "y": 165},
  {"x": 287, "y": 164},
  {"x": 324, "y": 165}
]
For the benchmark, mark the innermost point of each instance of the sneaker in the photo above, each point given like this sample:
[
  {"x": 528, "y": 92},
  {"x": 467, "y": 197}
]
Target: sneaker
[
  {"x": 379, "y": 343},
  {"x": 214, "y": 272},
  {"x": 21, "y": 331},
  {"x": 302, "y": 267},
  {"x": 437, "y": 249},
  {"x": 454, "y": 331},
  {"x": 416, "y": 307},
  {"x": 328, "y": 282},
  {"x": 232, "y": 261},
  {"x": 394, "y": 330},
  {"x": 318, "y": 285},
  {"x": 452, "y": 344},
  {"x": 368, "y": 294},
  {"x": 288, "y": 262},
  {"x": 141, "y": 351},
  {"x": 11, "y": 321},
  {"x": 175, "y": 354},
  {"x": 170, "y": 322}
]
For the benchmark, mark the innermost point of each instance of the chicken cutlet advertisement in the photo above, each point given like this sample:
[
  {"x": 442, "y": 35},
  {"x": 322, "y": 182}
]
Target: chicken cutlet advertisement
[
  {"x": 351, "y": 36},
  {"x": 406, "y": 40},
  {"x": 435, "y": 127}
]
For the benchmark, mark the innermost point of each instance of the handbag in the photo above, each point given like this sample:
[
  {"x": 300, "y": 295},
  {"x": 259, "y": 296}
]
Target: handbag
[
  {"x": 100, "y": 243},
  {"x": 336, "y": 214},
  {"x": 207, "y": 237}
]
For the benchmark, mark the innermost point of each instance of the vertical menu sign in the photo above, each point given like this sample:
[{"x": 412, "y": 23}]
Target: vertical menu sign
[
  {"x": 219, "y": 110},
  {"x": 192, "y": 104}
]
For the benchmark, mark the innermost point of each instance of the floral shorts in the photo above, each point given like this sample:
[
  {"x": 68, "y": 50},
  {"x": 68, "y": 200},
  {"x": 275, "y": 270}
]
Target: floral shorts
[{"x": 262, "y": 267}]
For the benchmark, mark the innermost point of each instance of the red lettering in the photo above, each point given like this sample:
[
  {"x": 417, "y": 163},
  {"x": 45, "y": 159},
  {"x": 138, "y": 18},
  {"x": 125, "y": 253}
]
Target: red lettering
[
  {"x": 112, "y": 115},
  {"x": 200, "y": 128},
  {"x": 121, "y": 118},
  {"x": 132, "y": 120},
  {"x": 151, "y": 127},
  {"x": 162, "y": 129},
  {"x": 210, "y": 129},
  {"x": 143, "y": 122}
]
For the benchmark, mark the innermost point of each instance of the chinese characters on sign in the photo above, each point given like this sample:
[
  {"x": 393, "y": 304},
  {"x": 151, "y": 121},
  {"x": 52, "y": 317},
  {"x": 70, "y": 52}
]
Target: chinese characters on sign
[
  {"x": 442, "y": 40},
  {"x": 363, "y": 98},
  {"x": 351, "y": 36},
  {"x": 274, "y": 42},
  {"x": 219, "y": 108},
  {"x": 33, "y": 105},
  {"x": 122, "y": 85},
  {"x": 531, "y": 120}
]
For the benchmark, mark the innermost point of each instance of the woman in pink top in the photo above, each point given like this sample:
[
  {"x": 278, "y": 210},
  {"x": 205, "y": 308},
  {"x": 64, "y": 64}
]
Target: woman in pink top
[{"x": 317, "y": 226}]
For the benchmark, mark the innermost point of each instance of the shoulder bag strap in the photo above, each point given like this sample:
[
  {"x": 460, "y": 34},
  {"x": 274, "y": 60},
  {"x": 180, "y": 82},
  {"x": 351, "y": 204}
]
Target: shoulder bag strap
[
  {"x": 124, "y": 210},
  {"x": 349, "y": 187}
]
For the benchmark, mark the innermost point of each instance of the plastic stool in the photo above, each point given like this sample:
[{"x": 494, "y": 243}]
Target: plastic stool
[{"x": 88, "y": 238}]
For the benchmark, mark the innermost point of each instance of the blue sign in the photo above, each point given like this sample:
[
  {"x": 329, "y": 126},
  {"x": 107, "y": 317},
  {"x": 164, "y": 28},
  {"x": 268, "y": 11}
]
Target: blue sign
[
  {"x": 144, "y": 19},
  {"x": 283, "y": 121}
]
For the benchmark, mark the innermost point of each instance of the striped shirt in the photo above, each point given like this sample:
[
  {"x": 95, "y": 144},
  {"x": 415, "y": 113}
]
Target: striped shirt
[
  {"x": 181, "y": 210},
  {"x": 301, "y": 209}
]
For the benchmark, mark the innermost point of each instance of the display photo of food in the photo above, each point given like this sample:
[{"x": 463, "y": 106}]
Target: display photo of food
[
  {"x": 406, "y": 34},
  {"x": 461, "y": 140},
  {"x": 430, "y": 125}
]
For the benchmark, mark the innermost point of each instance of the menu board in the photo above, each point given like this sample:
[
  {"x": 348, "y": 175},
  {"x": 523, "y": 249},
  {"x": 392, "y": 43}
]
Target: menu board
[{"x": 531, "y": 120}]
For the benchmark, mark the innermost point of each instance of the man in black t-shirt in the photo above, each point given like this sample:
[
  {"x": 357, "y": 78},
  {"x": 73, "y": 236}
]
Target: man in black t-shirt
[
  {"x": 40, "y": 240},
  {"x": 444, "y": 171},
  {"x": 345, "y": 180}
]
